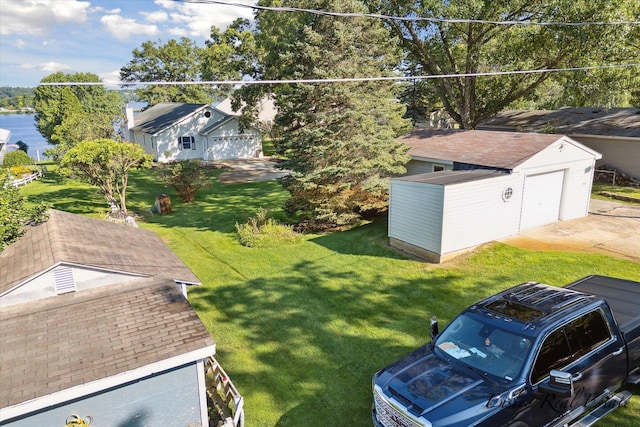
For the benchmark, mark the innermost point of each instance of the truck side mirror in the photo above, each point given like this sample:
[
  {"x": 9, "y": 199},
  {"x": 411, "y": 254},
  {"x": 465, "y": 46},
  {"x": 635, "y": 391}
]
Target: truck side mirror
[
  {"x": 560, "y": 384},
  {"x": 434, "y": 328}
]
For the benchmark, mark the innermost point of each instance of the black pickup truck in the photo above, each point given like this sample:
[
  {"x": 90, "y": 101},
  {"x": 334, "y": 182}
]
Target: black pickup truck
[{"x": 533, "y": 355}]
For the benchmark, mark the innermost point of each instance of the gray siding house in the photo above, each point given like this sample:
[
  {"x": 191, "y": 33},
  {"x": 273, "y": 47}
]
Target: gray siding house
[
  {"x": 95, "y": 324},
  {"x": 487, "y": 186},
  {"x": 179, "y": 131}
]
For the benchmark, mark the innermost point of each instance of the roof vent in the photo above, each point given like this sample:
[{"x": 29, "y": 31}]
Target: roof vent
[{"x": 63, "y": 279}]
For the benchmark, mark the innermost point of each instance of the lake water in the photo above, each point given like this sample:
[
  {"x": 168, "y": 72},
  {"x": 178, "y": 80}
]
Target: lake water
[{"x": 23, "y": 128}]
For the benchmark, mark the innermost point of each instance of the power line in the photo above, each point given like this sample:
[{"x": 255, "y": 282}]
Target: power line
[
  {"x": 406, "y": 18},
  {"x": 338, "y": 80}
]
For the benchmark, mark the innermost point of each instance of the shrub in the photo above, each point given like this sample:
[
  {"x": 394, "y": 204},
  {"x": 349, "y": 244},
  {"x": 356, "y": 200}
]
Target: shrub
[
  {"x": 18, "y": 171},
  {"x": 17, "y": 158},
  {"x": 263, "y": 231},
  {"x": 186, "y": 177}
]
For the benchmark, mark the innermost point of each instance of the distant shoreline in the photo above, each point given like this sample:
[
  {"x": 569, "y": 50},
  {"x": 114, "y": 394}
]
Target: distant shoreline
[{"x": 25, "y": 110}]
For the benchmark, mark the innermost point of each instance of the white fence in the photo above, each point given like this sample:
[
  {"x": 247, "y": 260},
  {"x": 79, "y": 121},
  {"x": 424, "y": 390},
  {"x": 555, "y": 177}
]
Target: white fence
[
  {"x": 26, "y": 179},
  {"x": 227, "y": 402}
]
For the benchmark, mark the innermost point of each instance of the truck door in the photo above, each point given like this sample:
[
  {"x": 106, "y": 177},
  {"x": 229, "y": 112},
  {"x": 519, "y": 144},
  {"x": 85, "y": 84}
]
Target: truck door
[{"x": 588, "y": 349}]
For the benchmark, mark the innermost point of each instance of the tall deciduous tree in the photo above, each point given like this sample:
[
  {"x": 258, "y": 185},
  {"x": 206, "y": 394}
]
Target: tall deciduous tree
[
  {"x": 106, "y": 164},
  {"x": 173, "y": 61},
  {"x": 464, "y": 47},
  {"x": 66, "y": 115},
  {"x": 229, "y": 54},
  {"x": 339, "y": 138}
]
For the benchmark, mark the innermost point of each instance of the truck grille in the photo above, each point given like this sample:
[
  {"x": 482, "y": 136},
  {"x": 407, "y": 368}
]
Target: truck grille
[{"x": 389, "y": 416}]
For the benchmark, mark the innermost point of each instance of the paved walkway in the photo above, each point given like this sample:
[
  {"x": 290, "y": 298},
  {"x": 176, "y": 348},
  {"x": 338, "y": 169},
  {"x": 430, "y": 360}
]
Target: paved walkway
[{"x": 610, "y": 228}]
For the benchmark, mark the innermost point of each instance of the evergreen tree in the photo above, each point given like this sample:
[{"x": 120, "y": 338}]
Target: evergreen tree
[{"x": 339, "y": 138}]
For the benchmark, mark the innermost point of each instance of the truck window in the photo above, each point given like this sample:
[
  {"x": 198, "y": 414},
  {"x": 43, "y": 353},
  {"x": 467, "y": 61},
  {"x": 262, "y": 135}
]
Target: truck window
[
  {"x": 569, "y": 343},
  {"x": 555, "y": 353},
  {"x": 586, "y": 333}
]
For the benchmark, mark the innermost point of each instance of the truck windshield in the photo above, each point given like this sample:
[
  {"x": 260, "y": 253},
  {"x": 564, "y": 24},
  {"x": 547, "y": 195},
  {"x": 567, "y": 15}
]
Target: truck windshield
[{"x": 484, "y": 347}]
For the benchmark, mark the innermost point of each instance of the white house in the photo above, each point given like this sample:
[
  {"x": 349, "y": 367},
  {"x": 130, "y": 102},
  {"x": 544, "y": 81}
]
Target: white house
[
  {"x": 179, "y": 131},
  {"x": 5, "y": 135},
  {"x": 95, "y": 325},
  {"x": 613, "y": 132},
  {"x": 466, "y": 188}
]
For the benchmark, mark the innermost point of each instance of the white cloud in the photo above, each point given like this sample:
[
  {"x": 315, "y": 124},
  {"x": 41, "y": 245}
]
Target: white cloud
[
  {"x": 158, "y": 16},
  {"x": 36, "y": 17},
  {"x": 20, "y": 44},
  {"x": 103, "y": 10},
  {"x": 122, "y": 28},
  {"x": 111, "y": 78},
  {"x": 50, "y": 67},
  {"x": 196, "y": 19}
]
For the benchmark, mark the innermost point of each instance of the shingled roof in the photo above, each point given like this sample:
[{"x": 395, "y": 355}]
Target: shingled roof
[
  {"x": 623, "y": 122},
  {"x": 80, "y": 338},
  {"x": 75, "y": 239},
  {"x": 164, "y": 115},
  {"x": 503, "y": 150}
]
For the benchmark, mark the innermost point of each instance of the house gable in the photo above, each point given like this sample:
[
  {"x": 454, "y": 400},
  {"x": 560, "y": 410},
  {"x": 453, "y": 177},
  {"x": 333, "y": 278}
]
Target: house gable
[
  {"x": 161, "y": 117},
  {"x": 98, "y": 252},
  {"x": 84, "y": 342},
  {"x": 563, "y": 151}
]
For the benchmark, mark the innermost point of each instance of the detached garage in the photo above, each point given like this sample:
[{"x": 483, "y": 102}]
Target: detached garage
[{"x": 487, "y": 186}]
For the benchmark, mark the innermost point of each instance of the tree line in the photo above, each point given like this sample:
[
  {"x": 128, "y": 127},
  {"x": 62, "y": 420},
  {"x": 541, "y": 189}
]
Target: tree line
[{"x": 339, "y": 139}]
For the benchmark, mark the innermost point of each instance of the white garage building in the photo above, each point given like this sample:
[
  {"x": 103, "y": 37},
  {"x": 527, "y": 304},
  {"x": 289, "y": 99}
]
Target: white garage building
[{"x": 465, "y": 188}]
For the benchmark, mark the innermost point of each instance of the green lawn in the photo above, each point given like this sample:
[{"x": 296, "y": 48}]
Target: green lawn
[{"x": 301, "y": 329}]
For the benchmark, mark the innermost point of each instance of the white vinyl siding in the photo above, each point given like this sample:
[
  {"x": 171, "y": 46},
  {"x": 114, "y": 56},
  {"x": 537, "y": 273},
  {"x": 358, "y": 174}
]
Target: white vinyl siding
[
  {"x": 415, "y": 214},
  {"x": 477, "y": 212}
]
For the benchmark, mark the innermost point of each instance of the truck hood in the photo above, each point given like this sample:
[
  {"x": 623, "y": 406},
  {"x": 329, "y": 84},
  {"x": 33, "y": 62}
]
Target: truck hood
[{"x": 425, "y": 383}]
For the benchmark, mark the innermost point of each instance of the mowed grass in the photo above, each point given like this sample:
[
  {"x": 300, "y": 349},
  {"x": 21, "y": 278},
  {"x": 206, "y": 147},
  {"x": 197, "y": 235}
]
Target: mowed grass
[{"x": 301, "y": 329}]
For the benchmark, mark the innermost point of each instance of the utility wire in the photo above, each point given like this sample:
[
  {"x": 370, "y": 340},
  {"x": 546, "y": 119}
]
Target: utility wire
[
  {"x": 337, "y": 80},
  {"x": 406, "y": 18}
]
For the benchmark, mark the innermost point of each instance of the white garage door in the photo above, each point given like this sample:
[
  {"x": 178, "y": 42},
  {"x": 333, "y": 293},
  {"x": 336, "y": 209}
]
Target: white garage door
[{"x": 541, "y": 199}]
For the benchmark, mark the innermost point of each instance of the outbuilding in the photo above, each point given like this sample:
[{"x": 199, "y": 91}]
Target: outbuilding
[{"x": 465, "y": 188}]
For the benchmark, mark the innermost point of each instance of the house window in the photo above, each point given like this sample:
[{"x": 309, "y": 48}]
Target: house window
[
  {"x": 187, "y": 143},
  {"x": 438, "y": 168}
]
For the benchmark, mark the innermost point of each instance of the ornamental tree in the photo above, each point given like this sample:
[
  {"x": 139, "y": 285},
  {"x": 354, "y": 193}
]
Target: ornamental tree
[{"x": 106, "y": 163}]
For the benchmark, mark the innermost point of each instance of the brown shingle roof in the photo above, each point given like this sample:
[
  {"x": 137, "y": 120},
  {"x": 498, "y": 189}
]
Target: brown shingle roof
[
  {"x": 71, "y": 238},
  {"x": 72, "y": 339},
  {"x": 624, "y": 122},
  {"x": 505, "y": 150}
]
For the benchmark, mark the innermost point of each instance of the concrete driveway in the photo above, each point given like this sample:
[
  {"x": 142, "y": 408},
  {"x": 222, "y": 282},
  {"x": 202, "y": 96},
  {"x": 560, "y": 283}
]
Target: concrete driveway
[
  {"x": 611, "y": 228},
  {"x": 249, "y": 170}
]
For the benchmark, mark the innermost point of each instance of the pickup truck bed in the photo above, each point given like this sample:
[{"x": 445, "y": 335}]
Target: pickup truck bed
[{"x": 622, "y": 296}]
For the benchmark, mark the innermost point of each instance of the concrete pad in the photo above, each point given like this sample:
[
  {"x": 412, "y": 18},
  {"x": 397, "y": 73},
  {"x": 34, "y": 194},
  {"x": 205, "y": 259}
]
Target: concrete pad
[
  {"x": 611, "y": 228},
  {"x": 249, "y": 170}
]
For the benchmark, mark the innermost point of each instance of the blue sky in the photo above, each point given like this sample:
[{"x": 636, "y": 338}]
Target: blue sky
[{"x": 41, "y": 37}]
